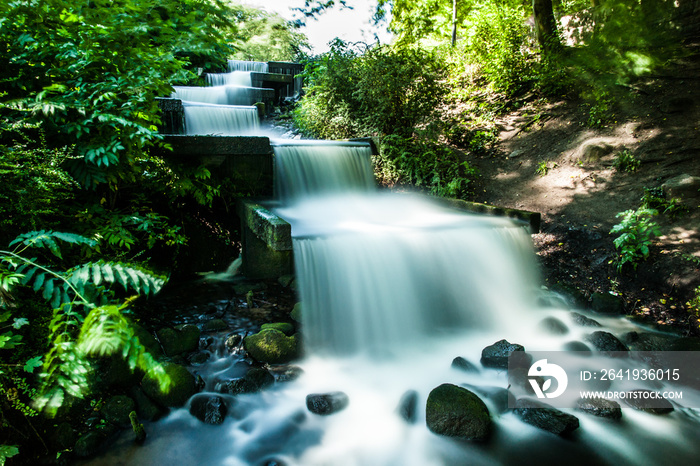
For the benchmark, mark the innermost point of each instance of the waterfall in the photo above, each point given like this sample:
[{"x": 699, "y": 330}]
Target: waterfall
[
  {"x": 378, "y": 271},
  {"x": 228, "y": 120},
  {"x": 237, "y": 78},
  {"x": 241, "y": 65},
  {"x": 306, "y": 168}
]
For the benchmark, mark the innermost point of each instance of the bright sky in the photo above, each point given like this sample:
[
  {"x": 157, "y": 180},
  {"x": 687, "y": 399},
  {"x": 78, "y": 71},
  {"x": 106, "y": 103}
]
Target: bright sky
[{"x": 349, "y": 25}]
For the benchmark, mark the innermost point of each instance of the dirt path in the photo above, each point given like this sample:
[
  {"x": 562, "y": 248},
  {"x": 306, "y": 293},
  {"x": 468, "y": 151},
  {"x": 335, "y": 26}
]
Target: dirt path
[{"x": 550, "y": 162}]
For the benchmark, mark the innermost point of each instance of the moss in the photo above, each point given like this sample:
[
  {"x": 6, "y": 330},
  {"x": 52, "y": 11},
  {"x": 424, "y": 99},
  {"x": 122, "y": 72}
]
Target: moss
[
  {"x": 284, "y": 327},
  {"x": 271, "y": 346},
  {"x": 456, "y": 412}
]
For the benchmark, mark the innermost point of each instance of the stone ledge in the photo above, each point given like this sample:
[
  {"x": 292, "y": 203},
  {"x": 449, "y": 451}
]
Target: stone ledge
[
  {"x": 533, "y": 219},
  {"x": 268, "y": 227}
]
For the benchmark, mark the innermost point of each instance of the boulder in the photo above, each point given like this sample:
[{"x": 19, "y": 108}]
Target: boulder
[
  {"x": 683, "y": 186},
  {"x": 454, "y": 411},
  {"x": 496, "y": 355},
  {"x": 116, "y": 410},
  {"x": 637, "y": 400},
  {"x": 578, "y": 346},
  {"x": 606, "y": 341},
  {"x": 583, "y": 321},
  {"x": 296, "y": 312},
  {"x": 553, "y": 326},
  {"x": 545, "y": 417},
  {"x": 463, "y": 365},
  {"x": 210, "y": 409},
  {"x": 600, "y": 407},
  {"x": 182, "y": 386},
  {"x": 145, "y": 407},
  {"x": 408, "y": 404},
  {"x": 592, "y": 152},
  {"x": 286, "y": 373},
  {"x": 325, "y": 404},
  {"x": 214, "y": 325},
  {"x": 271, "y": 346},
  {"x": 179, "y": 341},
  {"x": 605, "y": 303},
  {"x": 254, "y": 381},
  {"x": 284, "y": 327}
]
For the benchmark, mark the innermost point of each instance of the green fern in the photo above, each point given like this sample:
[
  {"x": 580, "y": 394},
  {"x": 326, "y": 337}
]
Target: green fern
[{"x": 47, "y": 239}]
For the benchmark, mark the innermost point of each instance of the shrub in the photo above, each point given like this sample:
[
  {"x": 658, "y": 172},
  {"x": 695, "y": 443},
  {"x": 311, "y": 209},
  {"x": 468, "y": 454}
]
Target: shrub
[{"x": 636, "y": 231}]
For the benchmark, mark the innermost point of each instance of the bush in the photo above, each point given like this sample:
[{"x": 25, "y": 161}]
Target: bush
[
  {"x": 636, "y": 232},
  {"x": 431, "y": 167}
]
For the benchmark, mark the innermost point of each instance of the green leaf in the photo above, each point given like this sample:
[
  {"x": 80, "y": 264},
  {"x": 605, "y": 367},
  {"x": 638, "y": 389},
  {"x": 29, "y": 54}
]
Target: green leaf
[
  {"x": 32, "y": 364},
  {"x": 20, "y": 322}
]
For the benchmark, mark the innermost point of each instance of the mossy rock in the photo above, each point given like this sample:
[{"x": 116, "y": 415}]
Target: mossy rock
[
  {"x": 116, "y": 410},
  {"x": 180, "y": 340},
  {"x": 214, "y": 325},
  {"x": 182, "y": 387},
  {"x": 271, "y": 346},
  {"x": 296, "y": 313},
  {"x": 284, "y": 327},
  {"x": 456, "y": 412}
]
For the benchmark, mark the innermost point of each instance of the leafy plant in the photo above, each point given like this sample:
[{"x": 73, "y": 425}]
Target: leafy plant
[
  {"x": 86, "y": 321},
  {"x": 544, "y": 167},
  {"x": 694, "y": 304},
  {"x": 626, "y": 161},
  {"x": 654, "y": 198},
  {"x": 636, "y": 231}
]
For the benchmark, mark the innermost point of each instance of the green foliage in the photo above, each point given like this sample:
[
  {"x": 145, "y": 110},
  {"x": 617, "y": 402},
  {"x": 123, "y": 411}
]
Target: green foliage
[
  {"x": 90, "y": 72},
  {"x": 626, "y": 161},
  {"x": 7, "y": 451},
  {"x": 544, "y": 167},
  {"x": 263, "y": 36},
  {"x": 428, "y": 166},
  {"x": 600, "y": 108},
  {"x": 654, "y": 198},
  {"x": 693, "y": 306},
  {"x": 85, "y": 322},
  {"x": 636, "y": 231},
  {"x": 381, "y": 91}
]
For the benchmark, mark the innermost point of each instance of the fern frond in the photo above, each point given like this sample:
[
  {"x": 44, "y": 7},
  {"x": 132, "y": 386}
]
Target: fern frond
[
  {"x": 47, "y": 239},
  {"x": 130, "y": 277}
]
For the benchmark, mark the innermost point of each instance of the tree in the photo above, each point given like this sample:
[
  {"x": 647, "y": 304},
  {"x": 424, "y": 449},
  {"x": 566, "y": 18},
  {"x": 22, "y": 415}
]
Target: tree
[{"x": 545, "y": 25}]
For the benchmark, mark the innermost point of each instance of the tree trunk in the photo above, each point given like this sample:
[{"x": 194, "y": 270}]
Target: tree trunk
[
  {"x": 454, "y": 22},
  {"x": 545, "y": 25}
]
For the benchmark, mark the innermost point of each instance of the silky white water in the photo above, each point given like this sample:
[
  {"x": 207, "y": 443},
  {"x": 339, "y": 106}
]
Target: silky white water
[
  {"x": 393, "y": 288},
  {"x": 227, "y": 120},
  {"x": 243, "y": 65}
]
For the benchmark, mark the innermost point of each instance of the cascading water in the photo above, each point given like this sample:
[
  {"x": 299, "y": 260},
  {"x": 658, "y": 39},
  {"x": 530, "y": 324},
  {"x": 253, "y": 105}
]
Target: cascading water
[
  {"x": 393, "y": 287},
  {"x": 227, "y": 120},
  {"x": 242, "y": 65}
]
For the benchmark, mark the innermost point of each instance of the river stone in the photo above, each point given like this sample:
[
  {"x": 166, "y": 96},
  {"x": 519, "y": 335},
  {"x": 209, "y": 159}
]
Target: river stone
[
  {"x": 583, "y": 321},
  {"x": 254, "y": 381},
  {"x": 210, "y": 409},
  {"x": 648, "y": 405},
  {"x": 233, "y": 341},
  {"x": 576, "y": 346},
  {"x": 408, "y": 405},
  {"x": 553, "y": 326},
  {"x": 116, "y": 410},
  {"x": 182, "y": 386},
  {"x": 606, "y": 341},
  {"x": 214, "y": 325},
  {"x": 683, "y": 186},
  {"x": 327, "y": 403},
  {"x": 501, "y": 398},
  {"x": 178, "y": 341},
  {"x": 88, "y": 444},
  {"x": 296, "y": 312},
  {"x": 463, "y": 365},
  {"x": 496, "y": 355},
  {"x": 146, "y": 339},
  {"x": 145, "y": 407},
  {"x": 600, "y": 407},
  {"x": 286, "y": 373},
  {"x": 545, "y": 417},
  {"x": 685, "y": 344},
  {"x": 605, "y": 303},
  {"x": 454, "y": 411},
  {"x": 271, "y": 346},
  {"x": 284, "y": 327}
]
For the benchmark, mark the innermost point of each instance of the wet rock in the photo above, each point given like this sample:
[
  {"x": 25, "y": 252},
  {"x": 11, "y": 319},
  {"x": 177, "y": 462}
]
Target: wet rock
[
  {"x": 327, "y": 403},
  {"x": 210, "y": 409},
  {"x": 454, "y": 411},
  {"x": 233, "y": 342},
  {"x": 145, "y": 407},
  {"x": 571, "y": 294},
  {"x": 199, "y": 382},
  {"x": 286, "y": 373},
  {"x": 501, "y": 398},
  {"x": 642, "y": 400},
  {"x": 408, "y": 405},
  {"x": 518, "y": 379},
  {"x": 284, "y": 327},
  {"x": 296, "y": 313},
  {"x": 683, "y": 186},
  {"x": 88, "y": 444},
  {"x": 545, "y": 417},
  {"x": 116, "y": 410},
  {"x": 606, "y": 341},
  {"x": 496, "y": 355},
  {"x": 254, "y": 381},
  {"x": 113, "y": 371},
  {"x": 583, "y": 321},
  {"x": 576, "y": 346},
  {"x": 182, "y": 386},
  {"x": 463, "y": 365},
  {"x": 600, "y": 407},
  {"x": 179, "y": 341},
  {"x": 553, "y": 326},
  {"x": 147, "y": 339},
  {"x": 271, "y": 346},
  {"x": 605, "y": 303},
  {"x": 685, "y": 344},
  {"x": 214, "y": 325},
  {"x": 648, "y": 341},
  {"x": 198, "y": 358}
]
